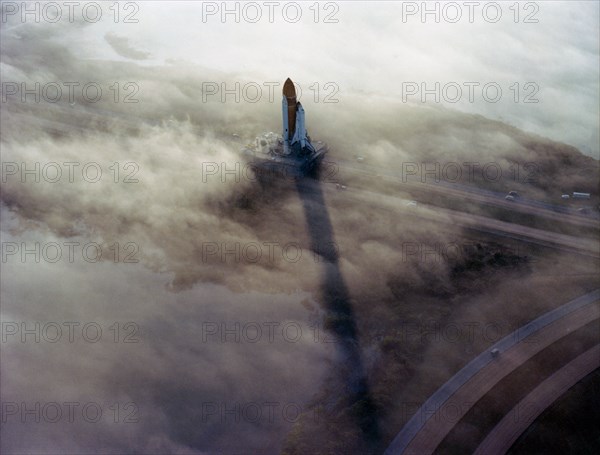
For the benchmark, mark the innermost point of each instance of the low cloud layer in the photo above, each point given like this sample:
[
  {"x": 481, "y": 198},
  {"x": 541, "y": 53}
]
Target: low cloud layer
[{"x": 175, "y": 213}]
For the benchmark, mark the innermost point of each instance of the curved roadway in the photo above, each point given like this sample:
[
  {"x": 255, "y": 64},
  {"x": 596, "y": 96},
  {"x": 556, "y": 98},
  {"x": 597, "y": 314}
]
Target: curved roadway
[
  {"x": 430, "y": 424},
  {"x": 503, "y": 436}
]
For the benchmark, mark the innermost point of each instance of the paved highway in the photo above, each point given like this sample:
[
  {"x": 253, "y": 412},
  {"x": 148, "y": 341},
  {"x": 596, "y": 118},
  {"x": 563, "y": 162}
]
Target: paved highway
[
  {"x": 466, "y": 192},
  {"x": 580, "y": 245},
  {"x": 515, "y": 422},
  {"x": 428, "y": 427}
]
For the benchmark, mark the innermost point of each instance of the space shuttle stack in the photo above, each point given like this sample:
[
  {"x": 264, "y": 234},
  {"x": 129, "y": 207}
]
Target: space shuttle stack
[{"x": 294, "y": 128}]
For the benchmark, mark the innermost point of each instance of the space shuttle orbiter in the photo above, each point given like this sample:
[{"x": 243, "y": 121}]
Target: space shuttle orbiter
[{"x": 295, "y": 137}]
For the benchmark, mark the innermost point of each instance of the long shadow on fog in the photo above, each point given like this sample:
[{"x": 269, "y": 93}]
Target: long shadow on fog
[{"x": 339, "y": 315}]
